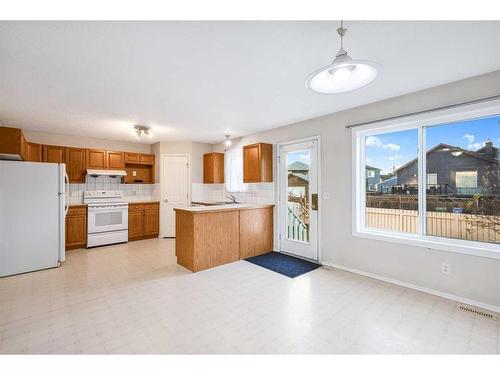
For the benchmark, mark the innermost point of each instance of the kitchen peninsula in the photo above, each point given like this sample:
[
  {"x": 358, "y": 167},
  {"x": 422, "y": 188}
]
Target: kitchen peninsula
[{"x": 209, "y": 236}]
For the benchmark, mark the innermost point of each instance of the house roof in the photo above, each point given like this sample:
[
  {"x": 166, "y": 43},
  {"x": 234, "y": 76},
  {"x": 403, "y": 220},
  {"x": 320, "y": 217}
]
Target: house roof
[
  {"x": 444, "y": 145},
  {"x": 298, "y": 166},
  {"x": 300, "y": 176},
  {"x": 373, "y": 168}
]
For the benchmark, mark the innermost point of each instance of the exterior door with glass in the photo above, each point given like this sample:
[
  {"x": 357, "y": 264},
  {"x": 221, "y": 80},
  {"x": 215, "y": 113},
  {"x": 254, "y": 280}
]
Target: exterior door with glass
[{"x": 298, "y": 204}]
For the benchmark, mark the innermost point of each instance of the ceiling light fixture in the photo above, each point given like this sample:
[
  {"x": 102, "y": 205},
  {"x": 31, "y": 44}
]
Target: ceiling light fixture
[
  {"x": 140, "y": 130},
  {"x": 227, "y": 142},
  {"x": 343, "y": 74}
]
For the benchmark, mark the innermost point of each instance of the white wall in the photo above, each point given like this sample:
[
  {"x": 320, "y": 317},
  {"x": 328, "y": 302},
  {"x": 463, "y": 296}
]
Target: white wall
[
  {"x": 472, "y": 277},
  {"x": 72, "y": 141}
]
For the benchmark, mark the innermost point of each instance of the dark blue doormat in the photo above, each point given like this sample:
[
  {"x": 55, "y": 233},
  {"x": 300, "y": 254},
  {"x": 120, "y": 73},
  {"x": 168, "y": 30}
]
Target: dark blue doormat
[{"x": 283, "y": 264}]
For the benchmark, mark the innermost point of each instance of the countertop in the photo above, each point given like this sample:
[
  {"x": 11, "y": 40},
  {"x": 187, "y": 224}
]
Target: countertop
[
  {"x": 224, "y": 207},
  {"x": 85, "y": 205}
]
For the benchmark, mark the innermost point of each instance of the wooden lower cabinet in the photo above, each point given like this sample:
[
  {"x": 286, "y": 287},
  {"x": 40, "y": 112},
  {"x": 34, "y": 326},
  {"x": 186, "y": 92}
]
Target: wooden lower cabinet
[
  {"x": 76, "y": 227},
  {"x": 206, "y": 239},
  {"x": 143, "y": 220},
  {"x": 256, "y": 232}
]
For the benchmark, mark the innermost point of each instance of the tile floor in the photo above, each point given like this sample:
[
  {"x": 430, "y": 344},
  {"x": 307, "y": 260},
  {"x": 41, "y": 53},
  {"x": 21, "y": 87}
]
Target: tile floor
[{"x": 133, "y": 298}]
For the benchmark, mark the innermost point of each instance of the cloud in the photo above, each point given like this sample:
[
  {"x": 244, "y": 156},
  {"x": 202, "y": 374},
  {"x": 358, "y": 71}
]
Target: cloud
[
  {"x": 394, "y": 157},
  {"x": 376, "y": 142},
  {"x": 475, "y": 146},
  {"x": 391, "y": 146},
  {"x": 368, "y": 160},
  {"x": 373, "y": 141},
  {"x": 305, "y": 156},
  {"x": 470, "y": 138}
]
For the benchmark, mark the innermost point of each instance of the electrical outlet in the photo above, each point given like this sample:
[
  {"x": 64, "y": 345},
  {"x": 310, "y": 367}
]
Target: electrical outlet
[
  {"x": 134, "y": 173},
  {"x": 326, "y": 195},
  {"x": 445, "y": 268}
]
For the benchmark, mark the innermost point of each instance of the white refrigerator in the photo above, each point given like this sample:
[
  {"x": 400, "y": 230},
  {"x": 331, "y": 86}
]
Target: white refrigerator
[{"x": 32, "y": 214}]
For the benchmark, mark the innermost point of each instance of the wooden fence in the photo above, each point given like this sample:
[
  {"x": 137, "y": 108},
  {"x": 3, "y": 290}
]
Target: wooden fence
[{"x": 441, "y": 224}]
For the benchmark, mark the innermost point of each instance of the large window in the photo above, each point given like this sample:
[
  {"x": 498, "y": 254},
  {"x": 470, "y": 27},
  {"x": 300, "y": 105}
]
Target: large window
[{"x": 455, "y": 156}]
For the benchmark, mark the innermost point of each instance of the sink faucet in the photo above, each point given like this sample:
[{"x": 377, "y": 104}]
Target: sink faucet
[{"x": 231, "y": 197}]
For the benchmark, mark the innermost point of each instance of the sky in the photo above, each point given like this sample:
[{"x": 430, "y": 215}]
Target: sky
[
  {"x": 392, "y": 150},
  {"x": 302, "y": 156}
]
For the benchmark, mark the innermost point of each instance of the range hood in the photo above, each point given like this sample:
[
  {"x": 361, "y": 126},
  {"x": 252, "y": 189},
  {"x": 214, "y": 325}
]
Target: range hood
[{"x": 106, "y": 172}]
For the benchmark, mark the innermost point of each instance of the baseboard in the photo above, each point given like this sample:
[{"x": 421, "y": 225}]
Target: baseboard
[{"x": 415, "y": 287}]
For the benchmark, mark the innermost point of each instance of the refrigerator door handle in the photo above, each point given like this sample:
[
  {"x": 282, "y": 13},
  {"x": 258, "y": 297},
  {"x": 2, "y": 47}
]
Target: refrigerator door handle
[{"x": 66, "y": 189}]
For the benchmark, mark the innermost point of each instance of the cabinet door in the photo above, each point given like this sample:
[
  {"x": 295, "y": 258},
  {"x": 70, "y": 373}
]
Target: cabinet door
[
  {"x": 251, "y": 163},
  {"x": 76, "y": 231},
  {"x": 208, "y": 169},
  {"x": 131, "y": 158},
  {"x": 115, "y": 160},
  {"x": 75, "y": 164},
  {"x": 135, "y": 224},
  {"x": 146, "y": 159},
  {"x": 53, "y": 154},
  {"x": 151, "y": 222},
  {"x": 95, "y": 159},
  {"x": 33, "y": 152}
]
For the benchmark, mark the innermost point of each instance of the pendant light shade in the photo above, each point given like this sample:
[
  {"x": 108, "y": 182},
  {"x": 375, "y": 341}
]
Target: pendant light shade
[{"x": 343, "y": 74}]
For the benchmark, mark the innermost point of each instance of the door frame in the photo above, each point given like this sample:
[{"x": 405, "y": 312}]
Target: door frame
[
  {"x": 316, "y": 138},
  {"x": 162, "y": 184}
]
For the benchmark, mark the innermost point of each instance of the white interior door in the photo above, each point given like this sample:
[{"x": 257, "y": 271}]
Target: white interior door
[
  {"x": 175, "y": 190},
  {"x": 298, "y": 204}
]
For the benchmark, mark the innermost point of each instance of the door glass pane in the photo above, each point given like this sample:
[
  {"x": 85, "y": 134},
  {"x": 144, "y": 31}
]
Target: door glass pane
[
  {"x": 298, "y": 163},
  {"x": 392, "y": 181},
  {"x": 464, "y": 202}
]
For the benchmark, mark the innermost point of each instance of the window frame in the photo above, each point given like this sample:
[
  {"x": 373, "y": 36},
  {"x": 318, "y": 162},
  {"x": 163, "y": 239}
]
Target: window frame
[{"x": 420, "y": 122}]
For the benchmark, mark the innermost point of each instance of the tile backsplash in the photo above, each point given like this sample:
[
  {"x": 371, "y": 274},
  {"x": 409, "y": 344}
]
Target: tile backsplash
[
  {"x": 255, "y": 193},
  {"x": 132, "y": 192}
]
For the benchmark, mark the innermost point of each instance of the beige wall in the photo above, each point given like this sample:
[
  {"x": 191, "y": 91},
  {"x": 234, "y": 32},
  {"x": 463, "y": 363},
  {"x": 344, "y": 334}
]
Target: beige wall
[
  {"x": 72, "y": 141},
  {"x": 472, "y": 277},
  {"x": 195, "y": 150}
]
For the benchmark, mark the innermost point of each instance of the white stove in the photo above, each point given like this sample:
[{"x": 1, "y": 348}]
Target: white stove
[{"x": 107, "y": 218}]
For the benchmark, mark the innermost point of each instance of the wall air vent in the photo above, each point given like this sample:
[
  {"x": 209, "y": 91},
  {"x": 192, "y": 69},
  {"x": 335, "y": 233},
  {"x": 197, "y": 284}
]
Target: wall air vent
[{"x": 477, "y": 311}]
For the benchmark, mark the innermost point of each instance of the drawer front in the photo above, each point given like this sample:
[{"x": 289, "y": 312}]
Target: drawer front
[
  {"x": 77, "y": 211},
  {"x": 152, "y": 206},
  {"x": 135, "y": 207}
]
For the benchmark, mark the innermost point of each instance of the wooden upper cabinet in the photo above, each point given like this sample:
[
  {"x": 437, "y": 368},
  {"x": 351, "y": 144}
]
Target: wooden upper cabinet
[
  {"x": 13, "y": 145},
  {"x": 33, "y": 152},
  {"x": 75, "y": 164},
  {"x": 146, "y": 159},
  {"x": 213, "y": 168},
  {"x": 53, "y": 154},
  {"x": 115, "y": 160},
  {"x": 95, "y": 159},
  {"x": 135, "y": 158},
  {"x": 258, "y": 163},
  {"x": 131, "y": 158}
]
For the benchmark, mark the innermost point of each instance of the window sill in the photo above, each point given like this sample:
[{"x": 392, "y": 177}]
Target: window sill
[{"x": 481, "y": 249}]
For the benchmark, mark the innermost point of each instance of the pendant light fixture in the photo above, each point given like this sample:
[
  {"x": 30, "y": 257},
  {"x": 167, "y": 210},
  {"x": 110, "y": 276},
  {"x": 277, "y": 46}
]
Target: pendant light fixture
[{"x": 343, "y": 74}]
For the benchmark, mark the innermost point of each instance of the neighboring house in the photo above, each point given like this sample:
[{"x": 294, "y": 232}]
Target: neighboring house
[
  {"x": 385, "y": 186},
  {"x": 372, "y": 178},
  {"x": 453, "y": 170},
  {"x": 299, "y": 167}
]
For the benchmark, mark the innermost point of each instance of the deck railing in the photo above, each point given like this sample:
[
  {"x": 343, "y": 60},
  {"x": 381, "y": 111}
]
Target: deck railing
[{"x": 297, "y": 229}]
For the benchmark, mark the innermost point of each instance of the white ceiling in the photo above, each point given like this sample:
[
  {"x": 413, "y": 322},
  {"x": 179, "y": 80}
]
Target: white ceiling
[{"x": 198, "y": 80}]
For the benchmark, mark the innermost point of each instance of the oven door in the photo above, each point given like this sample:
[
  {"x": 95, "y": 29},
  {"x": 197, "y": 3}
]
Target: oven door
[{"x": 107, "y": 218}]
